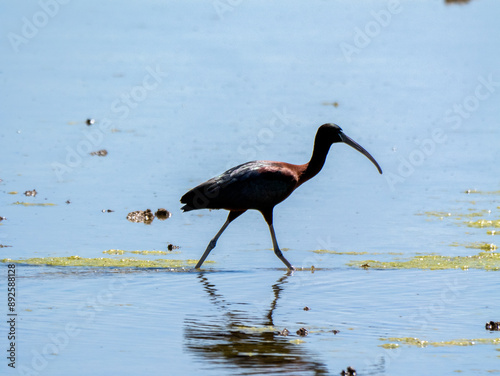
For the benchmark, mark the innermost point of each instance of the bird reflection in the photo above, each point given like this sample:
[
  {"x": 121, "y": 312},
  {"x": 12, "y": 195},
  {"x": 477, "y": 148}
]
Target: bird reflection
[{"x": 223, "y": 338}]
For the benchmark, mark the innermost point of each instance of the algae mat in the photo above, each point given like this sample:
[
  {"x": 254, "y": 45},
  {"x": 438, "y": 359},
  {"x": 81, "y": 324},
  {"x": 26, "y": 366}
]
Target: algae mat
[
  {"x": 103, "y": 262},
  {"x": 412, "y": 341},
  {"x": 483, "y": 260},
  {"x": 486, "y": 259}
]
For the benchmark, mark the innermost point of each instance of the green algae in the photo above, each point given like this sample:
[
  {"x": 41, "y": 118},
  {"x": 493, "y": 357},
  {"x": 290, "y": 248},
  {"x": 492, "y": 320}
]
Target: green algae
[
  {"x": 411, "y": 341},
  {"x": 33, "y": 203},
  {"x": 297, "y": 341},
  {"x": 475, "y": 191},
  {"x": 436, "y": 214},
  {"x": 121, "y": 252},
  {"x": 389, "y": 346},
  {"x": 256, "y": 329},
  {"x": 150, "y": 252},
  {"x": 481, "y": 223},
  {"x": 458, "y": 216},
  {"x": 474, "y": 214},
  {"x": 483, "y": 260},
  {"x": 103, "y": 262},
  {"x": 114, "y": 252},
  {"x": 474, "y": 218},
  {"x": 476, "y": 245},
  {"x": 354, "y": 253},
  {"x": 325, "y": 251}
]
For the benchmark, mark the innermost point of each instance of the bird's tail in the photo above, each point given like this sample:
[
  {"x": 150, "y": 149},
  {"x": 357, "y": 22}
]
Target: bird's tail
[
  {"x": 194, "y": 200},
  {"x": 186, "y": 208}
]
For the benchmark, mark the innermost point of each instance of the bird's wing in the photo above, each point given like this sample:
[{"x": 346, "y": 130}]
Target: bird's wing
[
  {"x": 252, "y": 185},
  {"x": 200, "y": 197}
]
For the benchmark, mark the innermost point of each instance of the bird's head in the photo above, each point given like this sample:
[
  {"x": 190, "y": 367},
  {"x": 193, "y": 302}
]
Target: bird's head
[{"x": 332, "y": 133}]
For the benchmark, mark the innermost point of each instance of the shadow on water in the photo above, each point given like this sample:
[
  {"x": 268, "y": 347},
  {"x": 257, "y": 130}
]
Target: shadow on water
[
  {"x": 456, "y": 1},
  {"x": 240, "y": 340}
]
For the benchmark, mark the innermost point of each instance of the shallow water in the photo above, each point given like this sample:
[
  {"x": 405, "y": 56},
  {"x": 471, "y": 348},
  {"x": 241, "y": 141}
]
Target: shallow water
[{"x": 179, "y": 94}]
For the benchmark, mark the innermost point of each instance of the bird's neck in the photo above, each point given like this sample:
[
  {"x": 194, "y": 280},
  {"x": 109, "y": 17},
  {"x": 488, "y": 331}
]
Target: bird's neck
[{"x": 317, "y": 161}]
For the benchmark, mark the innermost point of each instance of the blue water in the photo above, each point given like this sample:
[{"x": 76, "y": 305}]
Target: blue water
[{"x": 182, "y": 91}]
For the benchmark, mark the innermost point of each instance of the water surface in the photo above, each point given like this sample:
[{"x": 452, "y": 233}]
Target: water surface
[{"x": 179, "y": 93}]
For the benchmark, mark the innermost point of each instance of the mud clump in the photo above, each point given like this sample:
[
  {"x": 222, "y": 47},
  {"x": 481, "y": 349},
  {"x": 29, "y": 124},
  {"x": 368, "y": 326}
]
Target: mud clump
[
  {"x": 100, "y": 153},
  {"x": 163, "y": 214},
  {"x": 30, "y": 193},
  {"x": 493, "y": 326},
  {"x": 302, "y": 332},
  {"x": 147, "y": 217},
  {"x": 141, "y": 216}
]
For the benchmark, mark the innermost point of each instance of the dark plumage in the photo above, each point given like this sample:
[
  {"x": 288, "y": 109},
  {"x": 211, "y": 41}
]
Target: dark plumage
[
  {"x": 252, "y": 185},
  {"x": 261, "y": 185}
]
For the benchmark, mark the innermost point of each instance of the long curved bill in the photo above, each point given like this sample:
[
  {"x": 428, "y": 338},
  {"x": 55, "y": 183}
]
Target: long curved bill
[{"x": 349, "y": 141}]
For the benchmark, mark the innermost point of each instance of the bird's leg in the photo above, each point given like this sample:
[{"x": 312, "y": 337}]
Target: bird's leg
[
  {"x": 268, "y": 216},
  {"x": 231, "y": 217},
  {"x": 277, "y": 250}
]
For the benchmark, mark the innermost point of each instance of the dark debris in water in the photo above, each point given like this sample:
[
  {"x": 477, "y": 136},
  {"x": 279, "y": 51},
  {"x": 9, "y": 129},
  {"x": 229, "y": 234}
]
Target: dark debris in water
[
  {"x": 302, "y": 332},
  {"x": 2, "y": 219},
  {"x": 107, "y": 211},
  {"x": 284, "y": 332},
  {"x": 349, "y": 372},
  {"x": 90, "y": 122},
  {"x": 335, "y": 331},
  {"x": 141, "y": 216},
  {"x": 5, "y": 246},
  {"x": 147, "y": 217},
  {"x": 306, "y": 308},
  {"x": 31, "y": 193},
  {"x": 171, "y": 247},
  {"x": 163, "y": 214},
  {"x": 100, "y": 153},
  {"x": 492, "y": 325}
]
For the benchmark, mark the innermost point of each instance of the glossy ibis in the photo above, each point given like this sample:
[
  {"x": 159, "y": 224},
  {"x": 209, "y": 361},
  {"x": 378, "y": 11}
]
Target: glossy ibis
[{"x": 261, "y": 185}]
